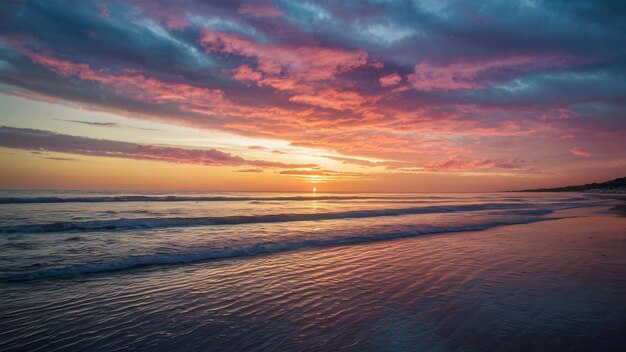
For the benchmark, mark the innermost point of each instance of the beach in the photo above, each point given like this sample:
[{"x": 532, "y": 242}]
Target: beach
[{"x": 551, "y": 282}]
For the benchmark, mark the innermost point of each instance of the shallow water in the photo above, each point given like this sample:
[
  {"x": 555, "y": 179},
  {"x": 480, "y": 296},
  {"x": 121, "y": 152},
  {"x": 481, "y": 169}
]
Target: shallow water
[{"x": 262, "y": 271}]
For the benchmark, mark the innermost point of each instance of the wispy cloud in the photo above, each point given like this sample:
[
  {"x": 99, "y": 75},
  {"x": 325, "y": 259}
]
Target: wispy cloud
[
  {"x": 59, "y": 158},
  {"x": 579, "y": 152},
  {"x": 251, "y": 170},
  {"x": 355, "y": 161},
  {"x": 91, "y": 123},
  {"x": 468, "y": 164},
  {"x": 260, "y": 10},
  {"x": 323, "y": 175},
  {"x": 45, "y": 141},
  {"x": 108, "y": 124}
]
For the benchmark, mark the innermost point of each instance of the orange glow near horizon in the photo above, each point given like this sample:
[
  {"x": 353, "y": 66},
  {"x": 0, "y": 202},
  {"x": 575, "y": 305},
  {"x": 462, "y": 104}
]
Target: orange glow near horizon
[{"x": 62, "y": 171}]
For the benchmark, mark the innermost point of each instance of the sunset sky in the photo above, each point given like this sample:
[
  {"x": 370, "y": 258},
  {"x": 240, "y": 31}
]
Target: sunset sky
[{"x": 289, "y": 95}]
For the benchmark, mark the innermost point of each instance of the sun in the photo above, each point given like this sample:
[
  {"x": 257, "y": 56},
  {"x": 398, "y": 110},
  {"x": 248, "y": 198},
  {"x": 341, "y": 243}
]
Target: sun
[{"x": 314, "y": 189}]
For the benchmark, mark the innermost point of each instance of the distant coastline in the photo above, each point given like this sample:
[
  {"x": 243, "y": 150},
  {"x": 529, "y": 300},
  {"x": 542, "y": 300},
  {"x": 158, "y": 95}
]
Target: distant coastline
[{"x": 616, "y": 186}]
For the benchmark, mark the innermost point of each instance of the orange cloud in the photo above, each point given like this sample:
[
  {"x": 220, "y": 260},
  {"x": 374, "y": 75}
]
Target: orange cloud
[
  {"x": 321, "y": 175},
  {"x": 332, "y": 99},
  {"x": 251, "y": 170}
]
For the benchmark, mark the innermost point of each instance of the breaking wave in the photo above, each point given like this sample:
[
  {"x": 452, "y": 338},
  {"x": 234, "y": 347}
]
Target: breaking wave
[
  {"x": 245, "y": 251},
  {"x": 147, "y": 223}
]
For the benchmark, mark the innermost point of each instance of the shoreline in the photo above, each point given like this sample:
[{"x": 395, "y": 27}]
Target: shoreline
[{"x": 550, "y": 285}]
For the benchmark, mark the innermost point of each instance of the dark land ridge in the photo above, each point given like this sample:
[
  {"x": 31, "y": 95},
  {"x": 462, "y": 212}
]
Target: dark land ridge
[{"x": 617, "y": 185}]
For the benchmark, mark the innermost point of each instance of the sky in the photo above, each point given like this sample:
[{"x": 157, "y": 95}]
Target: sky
[{"x": 287, "y": 95}]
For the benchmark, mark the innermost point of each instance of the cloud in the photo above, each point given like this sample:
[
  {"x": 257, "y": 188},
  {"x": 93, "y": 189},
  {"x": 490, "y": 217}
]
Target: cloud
[
  {"x": 251, "y": 170},
  {"x": 45, "y": 141},
  {"x": 579, "y": 152},
  {"x": 331, "y": 99},
  {"x": 355, "y": 161},
  {"x": 107, "y": 124},
  {"x": 477, "y": 74},
  {"x": 390, "y": 80},
  {"x": 457, "y": 163},
  {"x": 323, "y": 175},
  {"x": 466, "y": 164},
  {"x": 320, "y": 173},
  {"x": 132, "y": 83},
  {"x": 259, "y": 10},
  {"x": 59, "y": 159},
  {"x": 422, "y": 85},
  {"x": 286, "y": 62},
  {"x": 91, "y": 123},
  {"x": 244, "y": 72},
  {"x": 301, "y": 69}
]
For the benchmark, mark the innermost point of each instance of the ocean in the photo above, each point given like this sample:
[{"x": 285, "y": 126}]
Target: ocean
[{"x": 219, "y": 271}]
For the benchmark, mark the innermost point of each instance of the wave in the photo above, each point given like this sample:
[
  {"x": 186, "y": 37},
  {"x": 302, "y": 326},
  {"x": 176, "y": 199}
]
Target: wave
[
  {"x": 108, "y": 199},
  {"x": 148, "y": 223},
  {"x": 248, "y": 251}
]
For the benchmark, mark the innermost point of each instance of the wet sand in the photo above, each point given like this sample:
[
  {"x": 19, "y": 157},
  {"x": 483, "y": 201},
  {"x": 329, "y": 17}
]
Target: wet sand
[{"x": 557, "y": 285}]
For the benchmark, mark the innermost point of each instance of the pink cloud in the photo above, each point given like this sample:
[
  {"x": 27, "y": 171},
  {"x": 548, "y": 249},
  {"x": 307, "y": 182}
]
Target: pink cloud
[
  {"x": 307, "y": 63},
  {"x": 305, "y": 71},
  {"x": 305, "y": 84},
  {"x": 326, "y": 117},
  {"x": 475, "y": 74},
  {"x": 187, "y": 156},
  {"x": 579, "y": 152},
  {"x": 364, "y": 131},
  {"x": 376, "y": 64},
  {"x": 332, "y": 99},
  {"x": 390, "y": 80},
  {"x": 244, "y": 72},
  {"x": 355, "y": 161},
  {"x": 464, "y": 164},
  {"x": 557, "y": 114},
  {"x": 133, "y": 83}
]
